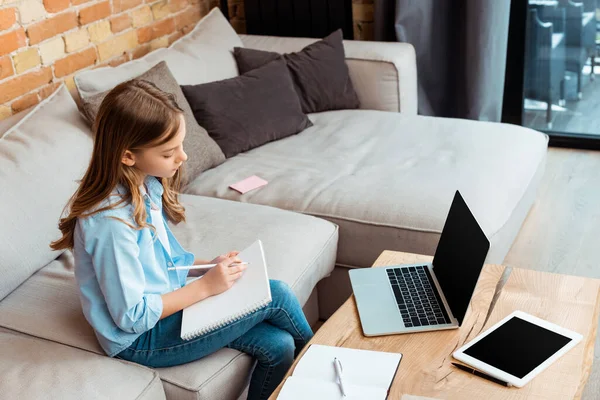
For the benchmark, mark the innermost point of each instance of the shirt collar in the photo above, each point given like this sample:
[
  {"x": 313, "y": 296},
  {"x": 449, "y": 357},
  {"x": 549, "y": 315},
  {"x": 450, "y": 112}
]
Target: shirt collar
[{"x": 155, "y": 188}]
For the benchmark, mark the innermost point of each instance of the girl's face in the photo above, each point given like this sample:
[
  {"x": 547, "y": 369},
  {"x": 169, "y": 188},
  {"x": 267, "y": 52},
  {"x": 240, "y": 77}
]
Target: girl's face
[{"x": 161, "y": 161}]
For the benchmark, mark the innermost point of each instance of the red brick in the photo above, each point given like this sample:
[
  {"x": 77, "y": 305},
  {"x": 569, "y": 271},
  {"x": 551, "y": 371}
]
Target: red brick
[
  {"x": 174, "y": 36},
  {"x": 6, "y": 68},
  {"x": 48, "y": 90},
  {"x": 119, "y": 60},
  {"x": 8, "y": 17},
  {"x": 51, "y": 27},
  {"x": 140, "y": 51},
  {"x": 156, "y": 30},
  {"x": 75, "y": 62},
  {"x": 238, "y": 25},
  {"x": 54, "y": 6},
  {"x": 122, "y": 5},
  {"x": 25, "y": 102},
  {"x": 177, "y": 5},
  {"x": 188, "y": 17},
  {"x": 12, "y": 41},
  {"x": 25, "y": 83},
  {"x": 123, "y": 58},
  {"x": 120, "y": 23},
  {"x": 94, "y": 13}
]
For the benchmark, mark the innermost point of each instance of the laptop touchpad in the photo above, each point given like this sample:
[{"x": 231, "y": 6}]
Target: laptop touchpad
[{"x": 377, "y": 305}]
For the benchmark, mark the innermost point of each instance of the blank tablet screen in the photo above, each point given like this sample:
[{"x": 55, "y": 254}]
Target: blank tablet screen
[{"x": 517, "y": 347}]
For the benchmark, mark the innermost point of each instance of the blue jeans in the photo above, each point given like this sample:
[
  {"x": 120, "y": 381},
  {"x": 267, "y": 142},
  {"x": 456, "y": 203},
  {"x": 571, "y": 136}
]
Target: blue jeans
[{"x": 273, "y": 335}]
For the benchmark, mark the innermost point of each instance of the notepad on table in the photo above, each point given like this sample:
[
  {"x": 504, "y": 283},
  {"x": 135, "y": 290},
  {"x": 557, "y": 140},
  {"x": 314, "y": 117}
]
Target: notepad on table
[
  {"x": 248, "y": 294},
  {"x": 367, "y": 374}
]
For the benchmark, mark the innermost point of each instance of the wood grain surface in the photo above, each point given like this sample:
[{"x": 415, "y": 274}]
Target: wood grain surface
[{"x": 425, "y": 370}]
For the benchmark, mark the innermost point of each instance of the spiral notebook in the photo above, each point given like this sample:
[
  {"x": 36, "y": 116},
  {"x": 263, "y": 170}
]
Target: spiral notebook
[
  {"x": 367, "y": 374},
  {"x": 250, "y": 293}
]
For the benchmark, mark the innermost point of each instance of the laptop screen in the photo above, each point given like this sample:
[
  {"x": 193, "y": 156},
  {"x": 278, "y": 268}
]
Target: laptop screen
[{"x": 460, "y": 256}]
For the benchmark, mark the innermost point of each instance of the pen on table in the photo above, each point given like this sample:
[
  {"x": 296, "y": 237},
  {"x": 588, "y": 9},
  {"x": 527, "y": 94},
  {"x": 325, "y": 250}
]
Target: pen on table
[
  {"x": 338, "y": 371},
  {"x": 203, "y": 266},
  {"x": 482, "y": 375}
]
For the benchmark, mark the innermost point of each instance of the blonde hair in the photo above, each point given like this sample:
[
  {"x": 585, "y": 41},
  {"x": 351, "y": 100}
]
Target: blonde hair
[{"x": 133, "y": 116}]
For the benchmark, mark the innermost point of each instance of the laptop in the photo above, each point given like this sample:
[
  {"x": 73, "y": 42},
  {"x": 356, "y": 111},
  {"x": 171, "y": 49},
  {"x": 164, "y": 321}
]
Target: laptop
[{"x": 429, "y": 296}]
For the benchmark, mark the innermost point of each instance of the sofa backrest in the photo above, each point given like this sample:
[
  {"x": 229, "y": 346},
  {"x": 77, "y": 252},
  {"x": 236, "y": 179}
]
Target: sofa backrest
[
  {"x": 11, "y": 121},
  {"x": 384, "y": 75},
  {"x": 41, "y": 159},
  {"x": 45, "y": 151}
]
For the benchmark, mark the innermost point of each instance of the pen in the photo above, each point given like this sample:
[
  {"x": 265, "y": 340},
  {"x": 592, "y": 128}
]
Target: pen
[
  {"x": 481, "y": 374},
  {"x": 338, "y": 371},
  {"x": 203, "y": 266}
]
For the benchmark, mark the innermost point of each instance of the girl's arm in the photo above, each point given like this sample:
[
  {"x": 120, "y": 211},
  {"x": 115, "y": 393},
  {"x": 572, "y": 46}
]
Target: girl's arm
[
  {"x": 215, "y": 281},
  {"x": 179, "y": 299}
]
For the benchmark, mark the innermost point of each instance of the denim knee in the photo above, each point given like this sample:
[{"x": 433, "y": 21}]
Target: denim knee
[
  {"x": 281, "y": 290},
  {"x": 280, "y": 349}
]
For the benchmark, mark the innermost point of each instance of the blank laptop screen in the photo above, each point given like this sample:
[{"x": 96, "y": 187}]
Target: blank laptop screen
[{"x": 460, "y": 256}]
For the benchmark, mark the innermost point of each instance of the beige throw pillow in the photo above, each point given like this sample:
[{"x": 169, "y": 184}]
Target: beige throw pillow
[
  {"x": 203, "y": 55},
  {"x": 203, "y": 152},
  {"x": 42, "y": 158}
]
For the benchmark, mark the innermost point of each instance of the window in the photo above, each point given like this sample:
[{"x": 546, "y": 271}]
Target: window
[{"x": 559, "y": 43}]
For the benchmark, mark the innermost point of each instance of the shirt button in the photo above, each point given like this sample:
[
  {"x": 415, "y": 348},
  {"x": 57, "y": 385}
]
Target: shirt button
[{"x": 170, "y": 264}]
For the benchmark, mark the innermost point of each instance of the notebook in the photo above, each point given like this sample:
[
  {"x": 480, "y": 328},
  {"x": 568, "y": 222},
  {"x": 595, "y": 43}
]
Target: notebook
[
  {"x": 250, "y": 293},
  {"x": 367, "y": 374}
]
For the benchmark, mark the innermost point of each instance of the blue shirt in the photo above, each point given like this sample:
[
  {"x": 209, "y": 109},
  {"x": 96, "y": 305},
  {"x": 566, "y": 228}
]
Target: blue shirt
[{"x": 122, "y": 272}]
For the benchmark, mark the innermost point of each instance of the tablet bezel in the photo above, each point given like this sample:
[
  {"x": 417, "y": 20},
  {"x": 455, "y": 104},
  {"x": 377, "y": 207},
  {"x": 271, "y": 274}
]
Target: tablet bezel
[{"x": 505, "y": 376}]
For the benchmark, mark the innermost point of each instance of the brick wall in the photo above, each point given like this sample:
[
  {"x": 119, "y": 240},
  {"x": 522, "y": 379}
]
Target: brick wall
[
  {"x": 44, "y": 42},
  {"x": 362, "y": 15}
]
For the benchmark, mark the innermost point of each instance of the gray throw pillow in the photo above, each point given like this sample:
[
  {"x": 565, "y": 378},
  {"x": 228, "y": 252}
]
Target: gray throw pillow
[
  {"x": 203, "y": 153},
  {"x": 250, "y": 110},
  {"x": 319, "y": 72}
]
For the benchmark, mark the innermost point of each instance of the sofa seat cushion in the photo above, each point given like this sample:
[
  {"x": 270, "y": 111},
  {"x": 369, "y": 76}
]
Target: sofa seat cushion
[
  {"x": 33, "y": 368},
  {"x": 388, "y": 179},
  {"x": 299, "y": 250}
]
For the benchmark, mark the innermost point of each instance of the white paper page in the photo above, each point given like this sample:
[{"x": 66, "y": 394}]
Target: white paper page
[
  {"x": 362, "y": 367},
  {"x": 251, "y": 288},
  {"x": 296, "y": 388}
]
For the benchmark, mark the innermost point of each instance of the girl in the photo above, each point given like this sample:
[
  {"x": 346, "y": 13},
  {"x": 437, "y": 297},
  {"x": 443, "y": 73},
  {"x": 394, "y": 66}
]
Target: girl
[{"x": 122, "y": 246}]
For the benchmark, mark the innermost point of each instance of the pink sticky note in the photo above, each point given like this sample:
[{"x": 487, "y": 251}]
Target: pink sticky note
[{"x": 248, "y": 184}]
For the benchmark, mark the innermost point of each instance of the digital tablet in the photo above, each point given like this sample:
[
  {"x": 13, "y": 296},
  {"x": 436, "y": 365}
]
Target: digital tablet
[{"x": 517, "y": 348}]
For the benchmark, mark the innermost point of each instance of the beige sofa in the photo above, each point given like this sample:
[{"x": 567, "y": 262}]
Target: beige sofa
[
  {"x": 385, "y": 175},
  {"x": 355, "y": 183}
]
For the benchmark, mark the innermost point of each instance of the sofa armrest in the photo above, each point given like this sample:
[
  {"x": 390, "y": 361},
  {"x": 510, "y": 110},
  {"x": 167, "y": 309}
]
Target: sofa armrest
[{"x": 384, "y": 75}]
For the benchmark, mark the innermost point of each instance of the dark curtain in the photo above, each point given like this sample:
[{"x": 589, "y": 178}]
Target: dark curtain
[{"x": 461, "y": 52}]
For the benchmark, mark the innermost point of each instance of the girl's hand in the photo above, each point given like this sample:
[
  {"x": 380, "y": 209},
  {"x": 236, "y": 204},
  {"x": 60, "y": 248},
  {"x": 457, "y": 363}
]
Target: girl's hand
[
  {"x": 223, "y": 257},
  {"x": 222, "y": 277}
]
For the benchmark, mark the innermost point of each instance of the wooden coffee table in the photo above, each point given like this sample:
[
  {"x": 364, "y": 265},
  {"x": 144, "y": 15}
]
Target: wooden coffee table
[{"x": 425, "y": 369}]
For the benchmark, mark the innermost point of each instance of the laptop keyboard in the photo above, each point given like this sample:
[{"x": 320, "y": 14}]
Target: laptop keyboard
[{"x": 417, "y": 297}]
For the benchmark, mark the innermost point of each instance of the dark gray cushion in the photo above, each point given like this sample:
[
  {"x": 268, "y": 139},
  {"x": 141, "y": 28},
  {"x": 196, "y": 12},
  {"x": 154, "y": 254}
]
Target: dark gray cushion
[
  {"x": 319, "y": 72},
  {"x": 250, "y": 110},
  {"x": 203, "y": 153}
]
